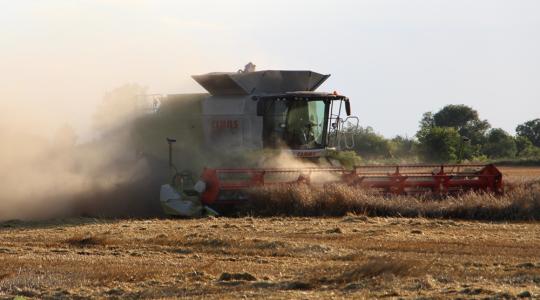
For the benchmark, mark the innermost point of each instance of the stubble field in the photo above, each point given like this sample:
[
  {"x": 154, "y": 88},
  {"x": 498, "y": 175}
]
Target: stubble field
[{"x": 351, "y": 256}]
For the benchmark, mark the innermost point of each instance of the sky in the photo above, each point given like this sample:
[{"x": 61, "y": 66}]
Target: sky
[{"x": 395, "y": 59}]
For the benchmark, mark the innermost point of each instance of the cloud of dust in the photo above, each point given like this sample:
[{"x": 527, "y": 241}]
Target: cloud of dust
[
  {"x": 45, "y": 172},
  {"x": 286, "y": 159}
]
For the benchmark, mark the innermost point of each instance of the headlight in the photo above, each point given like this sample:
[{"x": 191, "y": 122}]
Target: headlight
[{"x": 200, "y": 186}]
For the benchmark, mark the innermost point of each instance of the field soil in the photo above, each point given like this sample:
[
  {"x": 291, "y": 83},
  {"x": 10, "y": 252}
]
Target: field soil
[
  {"x": 348, "y": 257},
  {"x": 515, "y": 173},
  {"x": 351, "y": 256}
]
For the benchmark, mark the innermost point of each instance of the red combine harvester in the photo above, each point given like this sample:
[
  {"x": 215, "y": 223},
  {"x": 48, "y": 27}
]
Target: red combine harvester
[{"x": 250, "y": 111}]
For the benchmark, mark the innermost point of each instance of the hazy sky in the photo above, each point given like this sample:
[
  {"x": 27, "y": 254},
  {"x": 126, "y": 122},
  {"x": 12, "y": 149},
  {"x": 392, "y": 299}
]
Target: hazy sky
[{"x": 394, "y": 59}]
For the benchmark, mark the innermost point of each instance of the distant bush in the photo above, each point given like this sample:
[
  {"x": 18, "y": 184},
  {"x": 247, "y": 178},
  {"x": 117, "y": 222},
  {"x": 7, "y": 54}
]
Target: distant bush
[
  {"x": 499, "y": 144},
  {"x": 404, "y": 148},
  {"x": 531, "y": 131},
  {"x": 369, "y": 144},
  {"x": 525, "y": 162},
  {"x": 440, "y": 144}
]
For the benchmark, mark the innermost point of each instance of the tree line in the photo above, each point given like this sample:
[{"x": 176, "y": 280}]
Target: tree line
[{"x": 453, "y": 134}]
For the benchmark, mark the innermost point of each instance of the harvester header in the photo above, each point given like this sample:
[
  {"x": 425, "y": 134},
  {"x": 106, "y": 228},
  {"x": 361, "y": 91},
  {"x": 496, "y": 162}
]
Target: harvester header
[{"x": 229, "y": 186}]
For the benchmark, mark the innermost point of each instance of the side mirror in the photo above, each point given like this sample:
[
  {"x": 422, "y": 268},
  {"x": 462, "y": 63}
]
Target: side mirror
[{"x": 347, "y": 107}]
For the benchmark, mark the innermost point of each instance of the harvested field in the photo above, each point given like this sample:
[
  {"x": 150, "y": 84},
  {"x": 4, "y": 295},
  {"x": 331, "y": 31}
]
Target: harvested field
[
  {"x": 349, "y": 257},
  {"x": 520, "y": 173}
]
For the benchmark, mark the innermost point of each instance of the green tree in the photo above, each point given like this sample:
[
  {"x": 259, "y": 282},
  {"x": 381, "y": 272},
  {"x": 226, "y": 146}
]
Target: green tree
[
  {"x": 440, "y": 144},
  {"x": 532, "y": 152},
  {"x": 427, "y": 120},
  {"x": 525, "y": 149},
  {"x": 403, "y": 147},
  {"x": 426, "y": 123},
  {"x": 369, "y": 144},
  {"x": 530, "y": 130},
  {"x": 465, "y": 120},
  {"x": 523, "y": 146},
  {"x": 499, "y": 144}
]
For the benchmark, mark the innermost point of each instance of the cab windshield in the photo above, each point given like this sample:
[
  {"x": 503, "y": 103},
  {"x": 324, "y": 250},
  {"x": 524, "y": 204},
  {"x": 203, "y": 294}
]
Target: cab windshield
[{"x": 300, "y": 124}]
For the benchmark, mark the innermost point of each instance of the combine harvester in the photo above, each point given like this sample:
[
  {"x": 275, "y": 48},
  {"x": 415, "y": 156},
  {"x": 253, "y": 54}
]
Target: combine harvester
[{"x": 248, "y": 111}]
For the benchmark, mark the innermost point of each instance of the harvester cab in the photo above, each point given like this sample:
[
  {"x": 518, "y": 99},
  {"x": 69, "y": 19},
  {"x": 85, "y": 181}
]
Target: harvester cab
[
  {"x": 307, "y": 123},
  {"x": 273, "y": 109}
]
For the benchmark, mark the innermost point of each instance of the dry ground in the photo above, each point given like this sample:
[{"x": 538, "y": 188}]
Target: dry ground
[
  {"x": 514, "y": 173},
  {"x": 281, "y": 257}
]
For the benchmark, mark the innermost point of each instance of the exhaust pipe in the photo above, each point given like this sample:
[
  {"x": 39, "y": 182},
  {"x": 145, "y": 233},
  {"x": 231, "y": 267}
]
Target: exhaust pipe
[{"x": 172, "y": 167}]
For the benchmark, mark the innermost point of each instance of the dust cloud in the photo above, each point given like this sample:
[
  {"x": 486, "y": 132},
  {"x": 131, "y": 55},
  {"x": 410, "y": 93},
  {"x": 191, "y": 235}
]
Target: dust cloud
[
  {"x": 285, "y": 159},
  {"x": 46, "y": 172}
]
